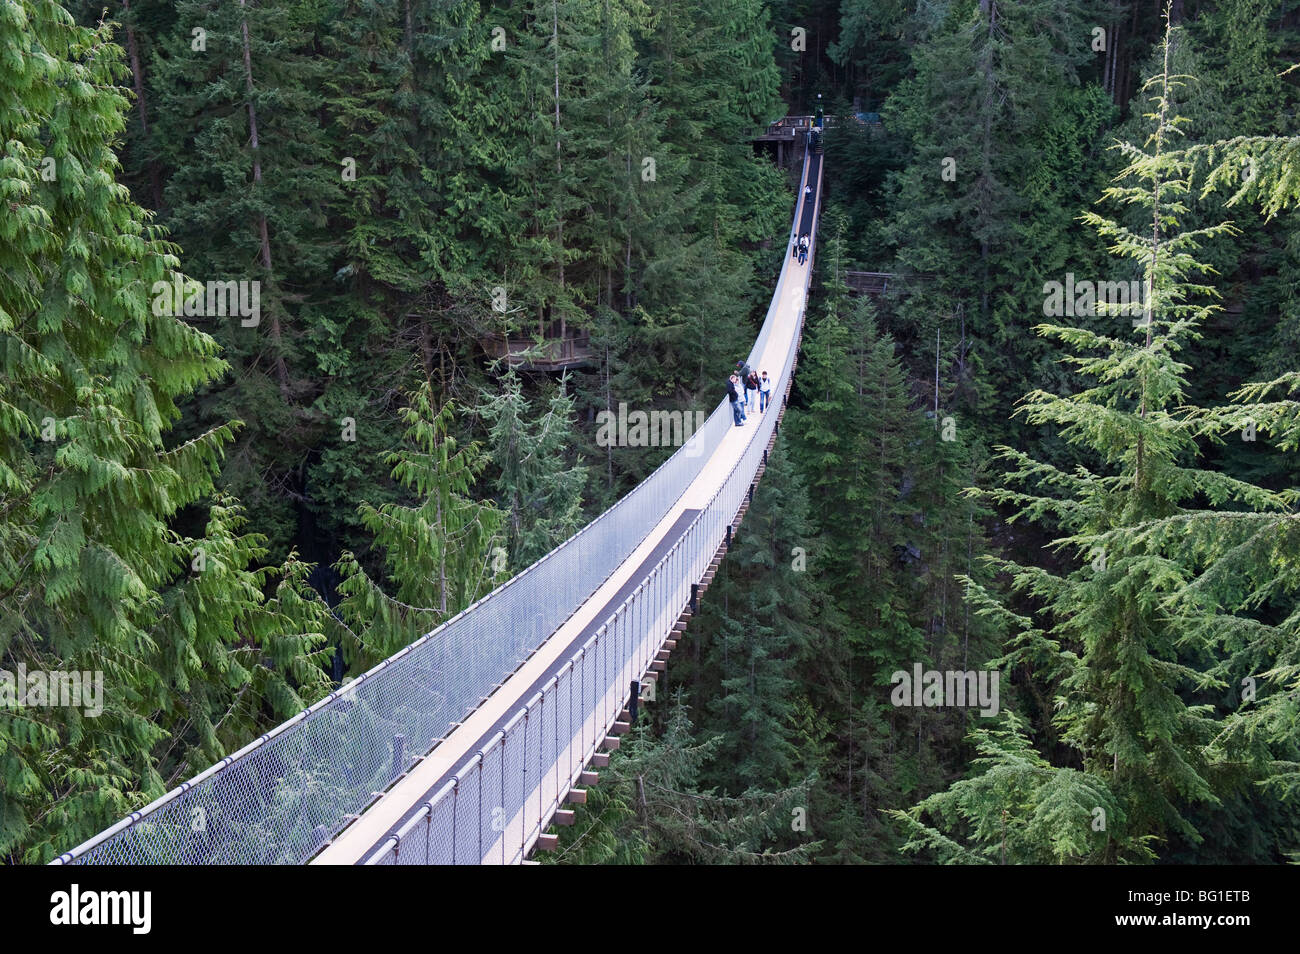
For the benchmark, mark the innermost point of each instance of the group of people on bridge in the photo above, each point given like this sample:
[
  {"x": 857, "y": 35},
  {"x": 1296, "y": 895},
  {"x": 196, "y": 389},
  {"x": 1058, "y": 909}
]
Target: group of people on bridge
[
  {"x": 799, "y": 249},
  {"x": 743, "y": 386}
]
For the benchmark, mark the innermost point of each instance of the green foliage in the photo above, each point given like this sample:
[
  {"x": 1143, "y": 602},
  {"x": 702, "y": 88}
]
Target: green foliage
[
  {"x": 1002, "y": 133},
  {"x": 1017, "y": 808},
  {"x": 438, "y": 551},
  {"x": 194, "y": 655},
  {"x": 649, "y": 809},
  {"x": 893, "y": 534},
  {"x": 540, "y": 488},
  {"x": 383, "y": 167},
  {"x": 1120, "y": 663},
  {"x": 757, "y": 627}
]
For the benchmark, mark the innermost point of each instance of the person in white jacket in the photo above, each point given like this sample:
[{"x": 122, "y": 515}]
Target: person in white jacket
[{"x": 764, "y": 392}]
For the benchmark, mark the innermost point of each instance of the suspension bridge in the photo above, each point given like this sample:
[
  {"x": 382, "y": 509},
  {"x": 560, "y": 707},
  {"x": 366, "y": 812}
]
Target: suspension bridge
[{"x": 467, "y": 746}]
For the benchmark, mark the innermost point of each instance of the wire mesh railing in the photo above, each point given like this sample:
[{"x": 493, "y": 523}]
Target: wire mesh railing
[
  {"x": 284, "y": 795},
  {"x": 495, "y": 807},
  {"x": 280, "y": 798}
]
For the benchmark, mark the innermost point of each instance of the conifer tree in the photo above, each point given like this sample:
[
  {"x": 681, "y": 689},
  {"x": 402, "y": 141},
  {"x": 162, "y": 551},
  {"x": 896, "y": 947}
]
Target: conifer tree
[
  {"x": 1242, "y": 600},
  {"x": 1254, "y": 263},
  {"x": 651, "y": 810},
  {"x": 239, "y": 131},
  {"x": 757, "y": 632},
  {"x": 1102, "y": 634},
  {"x": 1017, "y": 808},
  {"x": 539, "y": 487},
  {"x": 422, "y": 115},
  {"x": 1000, "y": 129},
  {"x": 96, "y": 576},
  {"x": 438, "y": 551}
]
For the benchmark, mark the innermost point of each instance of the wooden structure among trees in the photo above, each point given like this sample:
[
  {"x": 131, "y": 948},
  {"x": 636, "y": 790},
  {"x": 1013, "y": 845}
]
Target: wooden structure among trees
[
  {"x": 868, "y": 283},
  {"x": 541, "y": 354},
  {"x": 785, "y": 137}
]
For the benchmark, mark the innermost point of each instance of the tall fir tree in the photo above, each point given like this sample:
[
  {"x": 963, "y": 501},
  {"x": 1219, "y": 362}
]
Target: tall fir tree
[
  {"x": 1001, "y": 131},
  {"x": 239, "y": 104},
  {"x": 653, "y": 811},
  {"x": 757, "y": 629},
  {"x": 1101, "y": 634},
  {"x": 96, "y": 575},
  {"x": 539, "y": 486},
  {"x": 437, "y": 551}
]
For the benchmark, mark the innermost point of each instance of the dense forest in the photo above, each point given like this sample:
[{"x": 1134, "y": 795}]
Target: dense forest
[{"x": 990, "y": 465}]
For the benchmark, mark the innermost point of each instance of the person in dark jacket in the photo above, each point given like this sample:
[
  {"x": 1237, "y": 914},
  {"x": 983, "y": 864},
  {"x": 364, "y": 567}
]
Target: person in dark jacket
[
  {"x": 733, "y": 395},
  {"x": 744, "y": 372}
]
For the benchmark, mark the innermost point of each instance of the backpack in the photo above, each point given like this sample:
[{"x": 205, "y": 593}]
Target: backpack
[{"x": 752, "y": 381}]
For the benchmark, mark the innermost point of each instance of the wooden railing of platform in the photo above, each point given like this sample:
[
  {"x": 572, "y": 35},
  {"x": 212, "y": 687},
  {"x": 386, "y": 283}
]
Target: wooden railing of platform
[{"x": 544, "y": 354}]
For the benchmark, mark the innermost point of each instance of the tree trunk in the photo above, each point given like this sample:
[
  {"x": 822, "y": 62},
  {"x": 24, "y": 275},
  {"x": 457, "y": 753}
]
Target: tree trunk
[
  {"x": 990, "y": 10},
  {"x": 559, "y": 160},
  {"x": 281, "y": 369},
  {"x": 1112, "y": 50},
  {"x": 137, "y": 77}
]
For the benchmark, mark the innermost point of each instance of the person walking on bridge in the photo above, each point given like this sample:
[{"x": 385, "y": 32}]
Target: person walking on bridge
[
  {"x": 764, "y": 392},
  {"x": 733, "y": 395},
  {"x": 746, "y": 374},
  {"x": 803, "y": 248}
]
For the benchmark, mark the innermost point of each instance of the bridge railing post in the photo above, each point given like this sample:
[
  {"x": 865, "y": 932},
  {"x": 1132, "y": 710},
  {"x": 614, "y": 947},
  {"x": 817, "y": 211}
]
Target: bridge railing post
[
  {"x": 455, "y": 818},
  {"x": 523, "y": 807},
  {"x": 399, "y": 755},
  {"x": 479, "y": 768},
  {"x": 500, "y": 818}
]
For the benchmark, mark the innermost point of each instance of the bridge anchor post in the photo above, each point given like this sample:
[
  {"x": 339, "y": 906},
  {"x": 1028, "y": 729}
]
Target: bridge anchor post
[{"x": 695, "y": 597}]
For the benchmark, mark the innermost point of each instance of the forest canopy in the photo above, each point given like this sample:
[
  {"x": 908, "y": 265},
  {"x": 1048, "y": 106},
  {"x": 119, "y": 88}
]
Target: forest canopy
[{"x": 310, "y": 314}]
